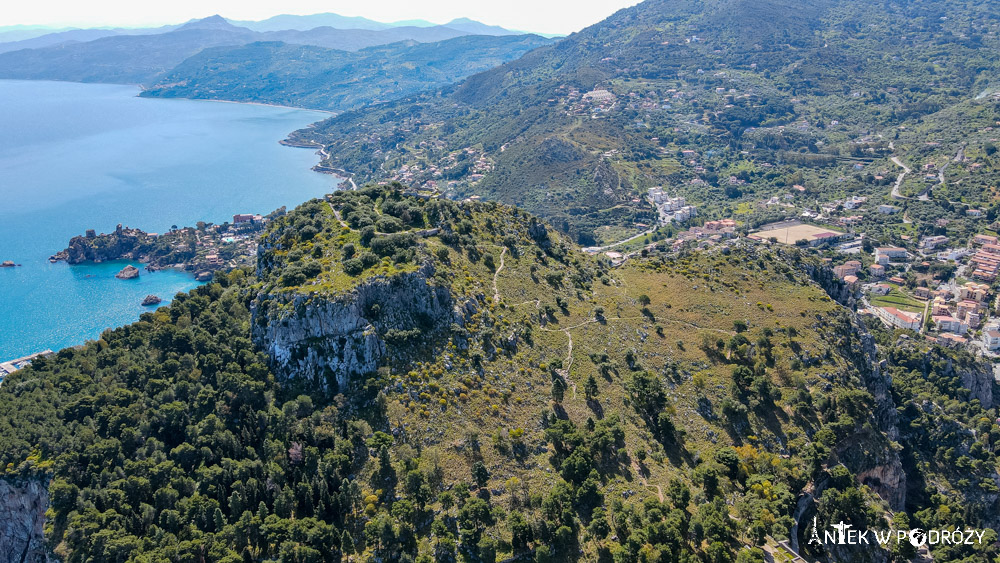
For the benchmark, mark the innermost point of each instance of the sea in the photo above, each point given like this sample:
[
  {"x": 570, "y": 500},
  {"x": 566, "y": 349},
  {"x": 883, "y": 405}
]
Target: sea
[{"x": 90, "y": 156}]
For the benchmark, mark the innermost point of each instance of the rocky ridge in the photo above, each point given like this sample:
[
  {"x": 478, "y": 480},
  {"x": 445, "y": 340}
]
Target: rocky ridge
[{"x": 23, "y": 503}]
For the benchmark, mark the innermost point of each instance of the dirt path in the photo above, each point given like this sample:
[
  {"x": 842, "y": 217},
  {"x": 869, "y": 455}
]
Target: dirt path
[
  {"x": 596, "y": 249},
  {"x": 496, "y": 290},
  {"x": 642, "y": 479},
  {"x": 337, "y": 215}
]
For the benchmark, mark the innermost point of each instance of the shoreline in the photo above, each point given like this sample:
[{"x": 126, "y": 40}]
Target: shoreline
[{"x": 265, "y": 104}]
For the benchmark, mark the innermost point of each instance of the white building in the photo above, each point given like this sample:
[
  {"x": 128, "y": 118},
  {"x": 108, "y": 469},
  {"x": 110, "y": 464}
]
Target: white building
[{"x": 894, "y": 317}]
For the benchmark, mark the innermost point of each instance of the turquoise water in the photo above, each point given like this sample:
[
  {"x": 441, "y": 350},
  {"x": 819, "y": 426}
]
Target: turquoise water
[{"x": 87, "y": 156}]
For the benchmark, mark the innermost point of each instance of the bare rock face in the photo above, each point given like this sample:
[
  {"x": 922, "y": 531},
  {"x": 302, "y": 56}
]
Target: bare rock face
[
  {"x": 129, "y": 272},
  {"x": 22, "y": 517},
  {"x": 330, "y": 339},
  {"x": 151, "y": 300}
]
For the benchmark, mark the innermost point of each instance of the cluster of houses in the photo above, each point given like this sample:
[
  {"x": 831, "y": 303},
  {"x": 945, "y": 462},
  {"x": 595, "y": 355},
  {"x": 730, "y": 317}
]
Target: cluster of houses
[
  {"x": 969, "y": 309},
  {"x": 671, "y": 209},
  {"x": 985, "y": 263}
]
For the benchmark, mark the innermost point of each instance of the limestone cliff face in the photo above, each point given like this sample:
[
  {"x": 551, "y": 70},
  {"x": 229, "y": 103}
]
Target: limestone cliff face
[
  {"x": 330, "y": 339},
  {"x": 978, "y": 379},
  {"x": 22, "y": 516},
  {"x": 831, "y": 284},
  {"x": 868, "y": 453}
]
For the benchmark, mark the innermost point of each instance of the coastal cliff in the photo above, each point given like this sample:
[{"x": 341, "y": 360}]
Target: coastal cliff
[
  {"x": 123, "y": 244},
  {"x": 23, "y": 503}
]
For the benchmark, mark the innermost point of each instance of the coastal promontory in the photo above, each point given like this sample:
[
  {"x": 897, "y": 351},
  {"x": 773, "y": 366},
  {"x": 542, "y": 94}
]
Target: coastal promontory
[{"x": 201, "y": 250}]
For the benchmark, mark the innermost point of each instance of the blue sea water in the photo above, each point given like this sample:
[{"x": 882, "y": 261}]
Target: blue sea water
[{"x": 89, "y": 156}]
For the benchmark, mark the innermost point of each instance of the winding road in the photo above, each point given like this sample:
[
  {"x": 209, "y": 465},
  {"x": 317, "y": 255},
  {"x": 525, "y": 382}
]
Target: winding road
[{"x": 899, "y": 179}]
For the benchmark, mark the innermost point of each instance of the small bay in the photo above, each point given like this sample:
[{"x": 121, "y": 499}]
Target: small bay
[{"x": 89, "y": 156}]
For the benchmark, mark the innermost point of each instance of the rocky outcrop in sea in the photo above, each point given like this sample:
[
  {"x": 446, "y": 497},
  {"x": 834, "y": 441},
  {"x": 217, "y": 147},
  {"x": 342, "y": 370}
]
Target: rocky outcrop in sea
[
  {"x": 129, "y": 272},
  {"x": 151, "y": 300}
]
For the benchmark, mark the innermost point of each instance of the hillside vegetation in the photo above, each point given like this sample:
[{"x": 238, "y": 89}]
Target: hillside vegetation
[
  {"x": 525, "y": 400},
  {"x": 760, "y": 95}
]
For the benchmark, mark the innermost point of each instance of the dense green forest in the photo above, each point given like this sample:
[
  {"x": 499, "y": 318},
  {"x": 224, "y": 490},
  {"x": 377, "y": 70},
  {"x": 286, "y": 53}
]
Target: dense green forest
[{"x": 530, "y": 401}]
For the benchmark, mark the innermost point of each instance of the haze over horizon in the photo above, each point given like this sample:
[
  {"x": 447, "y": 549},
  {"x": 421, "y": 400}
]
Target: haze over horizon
[{"x": 551, "y": 17}]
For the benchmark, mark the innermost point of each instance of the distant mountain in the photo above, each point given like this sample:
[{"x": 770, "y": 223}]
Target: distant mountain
[
  {"x": 46, "y": 38},
  {"x": 49, "y": 39},
  {"x": 477, "y": 28},
  {"x": 141, "y": 55},
  {"x": 313, "y": 77},
  {"x": 21, "y": 32},
  {"x": 126, "y": 59},
  {"x": 304, "y": 23},
  {"x": 413, "y": 23},
  {"x": 354, "y": 39},
  {"x": 215, "y": 22}
]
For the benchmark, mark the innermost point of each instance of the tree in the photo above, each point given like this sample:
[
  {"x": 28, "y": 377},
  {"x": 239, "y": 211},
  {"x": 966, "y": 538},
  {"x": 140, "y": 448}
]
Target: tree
[
  {"x": 590, "y": 387},
  {"x": 480, "y": 474},
  {"x": 558, "y": 389}
]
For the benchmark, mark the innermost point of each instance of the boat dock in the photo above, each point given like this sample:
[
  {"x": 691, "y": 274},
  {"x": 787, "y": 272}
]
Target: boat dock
[{"x": 9, "y": 367}]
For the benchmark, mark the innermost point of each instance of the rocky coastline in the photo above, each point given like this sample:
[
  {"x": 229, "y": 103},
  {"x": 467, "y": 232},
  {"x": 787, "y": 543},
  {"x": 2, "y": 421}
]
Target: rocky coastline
[{"x": 201, "y": 250}]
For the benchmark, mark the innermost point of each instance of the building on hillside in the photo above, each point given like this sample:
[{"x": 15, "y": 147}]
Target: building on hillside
[
  {"x": 854, "y": 202},
  {"x": 975, "y": 291},
  {"x": 887, "y": 209},
  {"x": 952, "y": 340},
  {"x": 881, "y": 289},
  {"x": 922, "y": 293},
  {"x": 944, "y": 323},
  {"x": 980, "y": 240},
  {"x": 940, "y": 306},
  {"x": 891, "y": 252},
  {"x": 849, "y": 268},
  {"x": 930, "y": 243},
  {"x": 901, "y": 319},
  {"x": 991, "y": 339},
  {"x": 876, "y": 270},
  {"x": 897, "y": 280}
]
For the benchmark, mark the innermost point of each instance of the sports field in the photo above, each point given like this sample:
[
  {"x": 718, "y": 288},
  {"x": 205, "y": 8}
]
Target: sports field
[{"x": 791, "y": 232}]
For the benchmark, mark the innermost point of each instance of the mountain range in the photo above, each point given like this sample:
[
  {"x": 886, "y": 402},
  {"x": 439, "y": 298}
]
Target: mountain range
[
  {"x": 13, "y": 38},
  {"x": 188, "y": 59},
  {"x": 318, "y": 78}
]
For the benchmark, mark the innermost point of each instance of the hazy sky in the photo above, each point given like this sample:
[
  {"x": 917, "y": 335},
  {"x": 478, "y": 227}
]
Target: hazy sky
[{"x": 545, "y": 16}]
